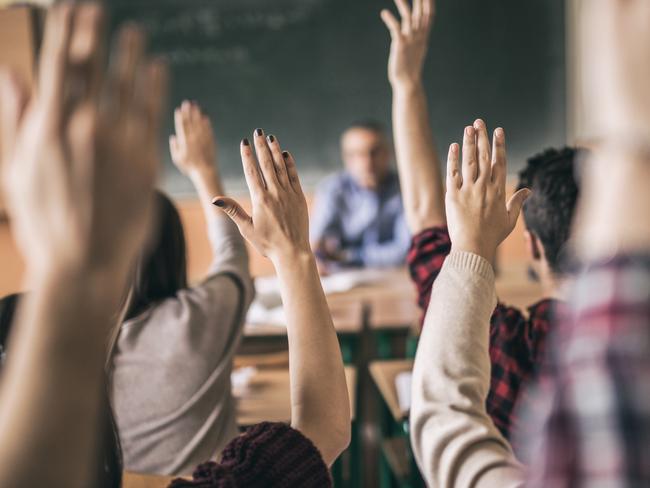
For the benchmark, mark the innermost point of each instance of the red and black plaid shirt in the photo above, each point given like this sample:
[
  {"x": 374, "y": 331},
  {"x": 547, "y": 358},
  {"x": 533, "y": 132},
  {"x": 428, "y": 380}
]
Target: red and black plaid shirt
[{"x": 516, "y": 341}]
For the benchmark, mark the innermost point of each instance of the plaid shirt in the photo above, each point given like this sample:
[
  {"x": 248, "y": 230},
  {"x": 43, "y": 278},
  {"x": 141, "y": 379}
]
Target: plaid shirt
[
  {"x": 516, "y": 342},
  {"x": 591, "y": 409}
]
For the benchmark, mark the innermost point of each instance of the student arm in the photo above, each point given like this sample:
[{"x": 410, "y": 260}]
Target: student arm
[
  {"x": 279, "y": 229},
  {"x": 454, "y": 440},
  {"x": 417, "y": 161}
]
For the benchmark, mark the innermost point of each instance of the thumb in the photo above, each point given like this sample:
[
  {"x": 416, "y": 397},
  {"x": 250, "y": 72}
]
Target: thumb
[
  {"x": 514, "y": 205},
  {"x": 12, "y": 104},
  {"x": 236, "y": 213},
  {"x": 391, "y": 23}
]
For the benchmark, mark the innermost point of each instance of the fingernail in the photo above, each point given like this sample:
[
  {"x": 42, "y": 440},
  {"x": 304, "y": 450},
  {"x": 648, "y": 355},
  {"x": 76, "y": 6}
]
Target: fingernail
[
  {"x": 218, "y": 202},
  {"x": 245, "y": 142},
  {"x": 259, "y": 132},
  {"x": 469, "y": 130},
  {"x": 500, "y": 132},
  {"x": 285, "y": 154},
  {"x": 478, "y": 123},
  {"x": 271, "y": 138}
]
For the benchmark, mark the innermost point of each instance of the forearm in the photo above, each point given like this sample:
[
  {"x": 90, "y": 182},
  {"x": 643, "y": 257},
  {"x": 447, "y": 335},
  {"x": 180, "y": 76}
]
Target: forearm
[
  {"x": 612, "y": 214},
  {"x": 454, "y": 440},
  {"x": 51, "y": 388},
  {"x": 319, "y": 396},
  {"x": 417, "y": 161},
  {"x": 208, "y": 184}
]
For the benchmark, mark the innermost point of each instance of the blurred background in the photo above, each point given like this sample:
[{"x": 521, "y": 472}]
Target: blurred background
[{"x": 305, "y": 69}]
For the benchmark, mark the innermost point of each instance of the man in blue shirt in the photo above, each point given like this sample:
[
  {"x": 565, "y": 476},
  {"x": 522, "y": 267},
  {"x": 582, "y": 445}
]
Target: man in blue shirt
[{"x": 358, "y": 219}]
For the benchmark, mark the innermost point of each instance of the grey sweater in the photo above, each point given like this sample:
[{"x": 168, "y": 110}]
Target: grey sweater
[{"x": 171, "y": 381}]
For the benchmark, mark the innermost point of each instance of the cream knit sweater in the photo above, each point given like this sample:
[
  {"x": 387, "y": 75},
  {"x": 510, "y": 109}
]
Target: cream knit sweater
[{"x": 454, "y": 440}]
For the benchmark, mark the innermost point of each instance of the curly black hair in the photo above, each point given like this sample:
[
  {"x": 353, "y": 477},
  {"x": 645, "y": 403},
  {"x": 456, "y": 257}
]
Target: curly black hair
[{"x": 548, "y": 212}]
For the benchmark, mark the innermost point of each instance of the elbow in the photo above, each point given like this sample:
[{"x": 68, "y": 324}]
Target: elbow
[{"x": 335, "y": 441}]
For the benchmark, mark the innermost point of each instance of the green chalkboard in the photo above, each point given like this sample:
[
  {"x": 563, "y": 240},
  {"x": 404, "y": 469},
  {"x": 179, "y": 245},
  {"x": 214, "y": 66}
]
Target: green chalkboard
[{"x": 304, "y": 69}]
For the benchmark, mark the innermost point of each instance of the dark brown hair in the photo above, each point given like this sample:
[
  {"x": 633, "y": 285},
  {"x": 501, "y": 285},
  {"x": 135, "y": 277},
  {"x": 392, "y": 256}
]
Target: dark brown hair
[{"x": 161, "y": 270}]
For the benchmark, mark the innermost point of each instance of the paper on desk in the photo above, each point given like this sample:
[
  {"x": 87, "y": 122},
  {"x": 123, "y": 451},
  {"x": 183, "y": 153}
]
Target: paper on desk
[
  {"x": 241, "y": 378},
  {"x": 403, "y": 387},
  {"x": 266, "y": 309}
]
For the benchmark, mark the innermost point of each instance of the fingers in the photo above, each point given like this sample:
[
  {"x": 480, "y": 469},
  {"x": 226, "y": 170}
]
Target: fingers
[
  {"x": 87, "y": 50},
  {"x": 514, "y": 206},
  {"x": 416, "y": 18},
  {"x": 186, "y": 118},
  {"x": 179, "y": 128},
  {"x": 391, "y": 23},
  {"x": 428, "y": 13},
  {"x": 156, "y": 79},
  {"x": 499, "y": 158},
  {"x": 13, "y": 100},
  {"x": 267, "y": 166},
  {"x": 174, "y": 150},
  {"x": 278, "y": 161},
  {"x": 292, "y": 172},
  {"x": 453, "y": 168},
  {"x": 237, "y": 214},
  {"x": 252, "y": 173},
  {"x": 484, "y": 153},
  {"x": 53, "y": 60},
  {"x": 405, "y": 13},
  {"x": 470, "y": 163},
  {"x": 128, "y": 58}
]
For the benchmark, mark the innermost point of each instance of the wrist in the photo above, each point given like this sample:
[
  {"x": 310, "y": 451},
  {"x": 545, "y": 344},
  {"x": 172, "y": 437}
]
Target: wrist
[
  {"x": 207, "y": 182},
  {"x": 290, "y": 258},
  {"x": 201, "y": 171},
  {"x": 96, "y": 282},
  {"x": 407, "y": 86},
  {"x": 480, "y": 249}
]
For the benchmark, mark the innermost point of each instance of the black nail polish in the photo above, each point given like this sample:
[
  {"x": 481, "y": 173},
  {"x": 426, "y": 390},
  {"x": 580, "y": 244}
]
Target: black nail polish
[
  {"x": 245, "y": 142},
  {"x": 271, "y": 138},
  {"x": 219, "y": 203},
  {"x": 285, "y": 154},
  {"x": 259, "y": 132}
]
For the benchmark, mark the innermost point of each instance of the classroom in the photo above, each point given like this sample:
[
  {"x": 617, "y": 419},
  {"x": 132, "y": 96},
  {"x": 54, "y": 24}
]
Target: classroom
[{"x": 323, "y": 243}]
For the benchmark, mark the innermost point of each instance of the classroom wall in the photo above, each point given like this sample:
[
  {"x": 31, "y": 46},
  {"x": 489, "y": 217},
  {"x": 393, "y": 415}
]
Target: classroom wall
[{"x": 12, "y": 268}]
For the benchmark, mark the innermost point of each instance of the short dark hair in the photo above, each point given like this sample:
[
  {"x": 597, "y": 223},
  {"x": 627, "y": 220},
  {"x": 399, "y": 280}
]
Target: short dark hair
[
  {"x": 548, "y": 212},
  {"x": 368, "y": 124},
  {"x": 161, "y": 271}
]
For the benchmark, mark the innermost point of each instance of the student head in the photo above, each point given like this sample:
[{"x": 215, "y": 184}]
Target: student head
[
  {"x": 548, "y": 212},
  {"x": 162, "y": 269},
  {"x": 108, "y": 464},
  {"x": 366, "y": 153}
]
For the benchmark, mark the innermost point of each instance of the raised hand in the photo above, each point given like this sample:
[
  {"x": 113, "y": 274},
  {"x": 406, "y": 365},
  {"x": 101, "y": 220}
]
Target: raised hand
[
  {"x": 279, "y": 225},
  {"x": 78, "y": 167},
  {"x": 193, "y": 146},
  {"x": 409, "y": 39},
  {"x": 478, "y": 216},
  {"x": 79, "y": 157}
]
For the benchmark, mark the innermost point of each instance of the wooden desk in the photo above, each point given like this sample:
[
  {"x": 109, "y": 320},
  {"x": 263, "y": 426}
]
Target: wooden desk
[
  {"x": 383, "y": 374},
  {"x": 394, "y": 282},
  {"x": 347, "y": 316},
  {"x": 268, "y": 398},
  {"x": 397, "y": 312},
  {"x": 136, "y": 480}
]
